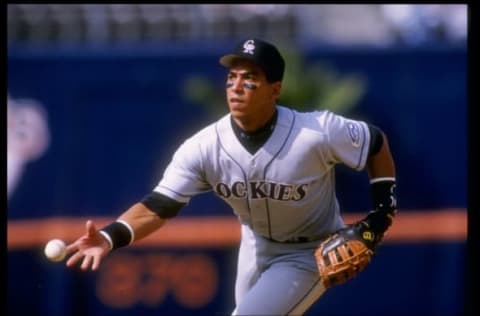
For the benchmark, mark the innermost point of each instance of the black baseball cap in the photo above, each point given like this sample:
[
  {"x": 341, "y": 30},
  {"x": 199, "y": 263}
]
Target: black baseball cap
[{"x": 261, "y": 53}]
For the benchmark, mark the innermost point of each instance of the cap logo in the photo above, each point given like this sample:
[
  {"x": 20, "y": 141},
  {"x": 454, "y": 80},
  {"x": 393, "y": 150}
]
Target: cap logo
[{"x": 248, "y": 47}]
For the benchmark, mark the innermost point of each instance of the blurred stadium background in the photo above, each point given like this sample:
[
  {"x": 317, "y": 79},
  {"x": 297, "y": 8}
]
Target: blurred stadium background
[{"x": 100, "y": 95}]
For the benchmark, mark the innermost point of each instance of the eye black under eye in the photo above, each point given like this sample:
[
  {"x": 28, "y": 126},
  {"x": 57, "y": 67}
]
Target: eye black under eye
[{"x": 249, "y": 86}]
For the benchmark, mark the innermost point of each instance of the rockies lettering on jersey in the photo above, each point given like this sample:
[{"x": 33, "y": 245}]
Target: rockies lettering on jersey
[{"x": 262, "y": 190}]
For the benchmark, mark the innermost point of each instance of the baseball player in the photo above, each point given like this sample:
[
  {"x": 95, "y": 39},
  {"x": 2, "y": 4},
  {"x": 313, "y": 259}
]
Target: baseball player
[{"x": 275, "y": 167}]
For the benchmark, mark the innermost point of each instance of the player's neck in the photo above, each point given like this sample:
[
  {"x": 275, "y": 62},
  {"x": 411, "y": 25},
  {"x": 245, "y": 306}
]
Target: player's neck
[
  {"x": 249, "y": 125},
  {"x": 252, "y": 141}
]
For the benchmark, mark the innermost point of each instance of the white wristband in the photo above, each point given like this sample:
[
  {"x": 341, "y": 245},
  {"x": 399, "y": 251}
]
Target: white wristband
[
  {"x": 382, "y": 179},
  {"x": 107, "y": 237}
]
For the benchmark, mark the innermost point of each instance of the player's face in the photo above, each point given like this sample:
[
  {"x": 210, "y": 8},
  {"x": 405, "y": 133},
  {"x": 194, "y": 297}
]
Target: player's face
[{"x": 251, "y": 98}]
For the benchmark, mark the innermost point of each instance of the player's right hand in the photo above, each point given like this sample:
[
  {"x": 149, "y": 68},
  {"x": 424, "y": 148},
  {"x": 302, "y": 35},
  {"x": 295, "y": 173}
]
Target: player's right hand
[{"x": 91, "y": 247}]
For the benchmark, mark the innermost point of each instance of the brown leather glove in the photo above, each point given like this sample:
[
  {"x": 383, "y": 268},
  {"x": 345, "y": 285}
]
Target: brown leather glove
[{"x": 341, "y": 256}]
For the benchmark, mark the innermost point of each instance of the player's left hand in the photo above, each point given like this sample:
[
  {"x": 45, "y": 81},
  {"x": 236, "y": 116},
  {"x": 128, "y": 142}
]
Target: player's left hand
[
  {"x": 344, "y": 254},
  {"x": 92, "y": 247}
]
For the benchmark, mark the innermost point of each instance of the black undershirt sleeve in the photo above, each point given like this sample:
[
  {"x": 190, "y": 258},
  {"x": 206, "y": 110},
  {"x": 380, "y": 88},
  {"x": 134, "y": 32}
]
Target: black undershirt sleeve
[
  {"x": 162, "y": 205},
  {"x": 376, "y": 140}
]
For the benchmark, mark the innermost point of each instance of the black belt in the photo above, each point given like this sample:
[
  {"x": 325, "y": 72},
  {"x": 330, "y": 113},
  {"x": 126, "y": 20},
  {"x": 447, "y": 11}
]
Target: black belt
[{"x": 297, "y": 240}]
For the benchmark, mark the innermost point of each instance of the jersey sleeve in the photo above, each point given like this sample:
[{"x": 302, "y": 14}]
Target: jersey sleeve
[
  {"x": 184, "y": 176},
  {"x": 348, "y": 141}
]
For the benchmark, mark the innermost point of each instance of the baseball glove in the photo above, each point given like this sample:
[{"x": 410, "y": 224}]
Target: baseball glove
[{"x": 344, "y": 254}]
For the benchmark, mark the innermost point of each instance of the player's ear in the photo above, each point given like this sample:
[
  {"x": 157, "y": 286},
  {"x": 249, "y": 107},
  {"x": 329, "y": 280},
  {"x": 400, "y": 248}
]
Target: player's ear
[{"x": 277, "y": 89}]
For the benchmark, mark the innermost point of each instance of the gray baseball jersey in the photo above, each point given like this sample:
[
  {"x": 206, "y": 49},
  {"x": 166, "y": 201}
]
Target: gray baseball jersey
[{"x": 283, "y": 193}]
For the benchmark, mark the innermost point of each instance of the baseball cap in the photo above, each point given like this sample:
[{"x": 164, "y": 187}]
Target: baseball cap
[{"x": 261, "y": 53}]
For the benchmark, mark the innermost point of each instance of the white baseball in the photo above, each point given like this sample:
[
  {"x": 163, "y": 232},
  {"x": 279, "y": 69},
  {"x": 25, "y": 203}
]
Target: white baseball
[{"x": 55, "y": 250}]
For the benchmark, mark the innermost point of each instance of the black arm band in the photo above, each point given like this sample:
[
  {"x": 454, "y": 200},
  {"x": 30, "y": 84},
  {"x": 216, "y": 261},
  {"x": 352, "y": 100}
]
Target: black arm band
[
  {"x": 376, "y": 140},
  {"x": 162, "y": 205},
  {"x": 384, "y": 202},
  {"x": 118, "y": 234},
  {"x": 383, "y": 194}
]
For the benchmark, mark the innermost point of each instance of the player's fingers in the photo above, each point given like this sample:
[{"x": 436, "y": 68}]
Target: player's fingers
[
  {"x": 77, "y": 245},
  {"x": 71, "y": 248},
  {"x": 73, "y": 259},
  {"x": 86, "y": 262},
  {"x": 91, "y": 229},
  {"x": 96, "y": 262}
]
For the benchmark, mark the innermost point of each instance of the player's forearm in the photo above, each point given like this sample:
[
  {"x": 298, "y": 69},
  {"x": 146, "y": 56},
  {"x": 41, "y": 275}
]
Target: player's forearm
[
  {"x": 381, "y": 170},
  {"x": 142, "y": 220},
  {"x": 381, "y": 164},
  {"x": 134, "y": 224}
]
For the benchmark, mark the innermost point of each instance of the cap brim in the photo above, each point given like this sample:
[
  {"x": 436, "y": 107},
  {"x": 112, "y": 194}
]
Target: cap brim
[{"x": 227, "y": 60}]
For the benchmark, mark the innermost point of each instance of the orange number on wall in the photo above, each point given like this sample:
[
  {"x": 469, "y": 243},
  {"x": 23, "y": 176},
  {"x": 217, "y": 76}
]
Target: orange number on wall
[{"x": 127, "y": 279}]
